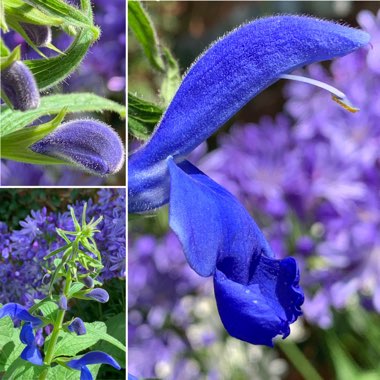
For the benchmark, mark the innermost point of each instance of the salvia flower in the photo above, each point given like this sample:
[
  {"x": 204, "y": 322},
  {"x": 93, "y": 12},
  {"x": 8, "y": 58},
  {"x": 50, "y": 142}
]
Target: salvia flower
[
  {"x": 95, "y": 357},
  {"x": 19, "y": 86},
  {"x": 19, "y": 312},
  {"x": 40, "y": 35},
  {"x": 257, "y": 295},
  {"x": 77, "y": 326},
  {"x": 99, "y": 295},
  {"x": 89, "y": 144}
]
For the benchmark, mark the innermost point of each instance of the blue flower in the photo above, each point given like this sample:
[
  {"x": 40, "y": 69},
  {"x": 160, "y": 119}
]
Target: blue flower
[
  {"x": 16, "y": 311},
  {"x": 77, "y": 326},
  {"x": 98, "y": 294},
  {"x": 95, "y": 357},
  {"x": 257, "y": 296}
]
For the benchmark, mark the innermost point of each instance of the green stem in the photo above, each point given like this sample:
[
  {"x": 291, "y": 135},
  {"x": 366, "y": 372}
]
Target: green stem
[
  {"x": 57, "y": 328},
  {"x": 299, "y": 360}
]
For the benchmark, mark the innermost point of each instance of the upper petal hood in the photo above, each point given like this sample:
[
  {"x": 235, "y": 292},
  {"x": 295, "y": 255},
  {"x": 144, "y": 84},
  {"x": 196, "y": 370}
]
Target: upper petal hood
[{"x": 229, "y": 74}]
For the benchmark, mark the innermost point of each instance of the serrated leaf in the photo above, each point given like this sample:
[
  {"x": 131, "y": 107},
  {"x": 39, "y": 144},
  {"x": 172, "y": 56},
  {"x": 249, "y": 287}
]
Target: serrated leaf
[
  {"x": 12, "y": 121},
  {"x": 142, "y": 27},
  {"x": 49, "y": 310},
  {"x": 51, "y": 71},
  {"x": 142, "y": 117},
  {"x": 70, "y": 344}
]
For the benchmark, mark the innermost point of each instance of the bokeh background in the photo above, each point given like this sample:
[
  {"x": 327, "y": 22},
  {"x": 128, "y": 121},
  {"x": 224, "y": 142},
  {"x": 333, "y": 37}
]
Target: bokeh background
[
  {"x": 28, "y": 222},
  {"x": 309, "y": 173},
  {"x": 102, "y": 72}
]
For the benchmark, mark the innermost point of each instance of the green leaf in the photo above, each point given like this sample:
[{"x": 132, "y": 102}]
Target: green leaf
[
  {"x": 51, "y": 71},
  {"x": 142, "y": 117},
  {"x": 172, "y": 78},
  {"x": 61, "y": 373},
  {"x": 69, "y": 344},
  {"x": 115, "y": 328},
  {"x": 70, "y": 14},
  {"x": 75, "y": 287},
  {"x": 12, "y": 121},
  {"x": 9, "y": 59},
  {"x": 142, "y": 27},
  {"x": 58, "y": 250},
  {"x": 20, "y": 11},
  {"x": 22, "y": 370},
  {"x": 49, "y": 310},
  {"x": 4, "y": 51}
]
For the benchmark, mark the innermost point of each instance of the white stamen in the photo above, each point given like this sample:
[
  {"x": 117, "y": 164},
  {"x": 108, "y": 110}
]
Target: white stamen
[{"x": 337, "y": 96}]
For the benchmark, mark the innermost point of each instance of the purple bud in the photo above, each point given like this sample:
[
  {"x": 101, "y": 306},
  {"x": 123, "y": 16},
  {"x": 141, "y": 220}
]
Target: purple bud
[
  {"x": 99, "y": 295},
  {"x": 46, "y": 279},
  {"x": 92, "y": 145},
  {"x": 77, "y": 326},
  {"x": 89, "y": 282},
  {"x": 40, "y": 35},
  {"x": 62, "y": 303},
  {"x": 19, "y": 85}
]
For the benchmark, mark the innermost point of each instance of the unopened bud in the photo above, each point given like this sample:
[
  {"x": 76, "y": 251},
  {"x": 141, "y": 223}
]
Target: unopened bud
[
  {"x": 90, "y": 144},
  {"x": 89, "y": 282},
  {"x": 99, "y": 295},
  {"x": 77, "y": 326},
  {"x": 62, "y": 303},
  {"x": 20, "y": 87},
  {"x": 46, "y": 279},
  {"x": 40, "y": 35}
]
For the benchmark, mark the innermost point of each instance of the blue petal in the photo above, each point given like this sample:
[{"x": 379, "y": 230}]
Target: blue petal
[
  {"x": 264, "y": 307},
  {"x": 17, "y": 311},
  {"x": 257, "y": 295},
  {"x": 94, "y": 357},
  {"x": 229, "y": 74},
  {"x": 85, "y": 374},
  {"x": 27, "y": 334},
  {"x": 32, "y": 354},
  {"x": 89, "y": 144},
  {"x": 211, "y": 223}
]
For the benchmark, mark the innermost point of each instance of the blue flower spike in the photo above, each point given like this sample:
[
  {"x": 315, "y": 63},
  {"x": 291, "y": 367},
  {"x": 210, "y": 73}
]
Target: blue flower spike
[
  {"x": 95, "y": 357},
  {"x": 89, "y": 144},
  {"x": 20, "y": 87},
  {"x": 31, "y": 352},
  {"x": 257, "y": 296}
]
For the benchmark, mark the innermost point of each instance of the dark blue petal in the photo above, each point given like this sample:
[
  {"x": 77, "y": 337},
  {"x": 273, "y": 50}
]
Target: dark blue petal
[
  {"x": 131, "y": 377},
  {"x": 32, "y": 354},
  {"x": 89, "y": 144},
  {"x": 85, "y": 374},
  {"x": 257, "y": 295},
  {"x": 258, "y": 311},
  {"x": 27, "y": 334},
  {"x": 229, "y": 74},
  {"x": 17, "y": 311},
  {"x": 211, "y": 223},
  {"x": 94, "y": 357}
]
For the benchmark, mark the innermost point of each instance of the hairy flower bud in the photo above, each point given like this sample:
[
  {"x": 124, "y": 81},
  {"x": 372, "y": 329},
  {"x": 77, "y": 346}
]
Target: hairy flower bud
[
  {"x": 62, "y": 303},
  {"x": 89, "y": 282},
  {"x": 20, "y": 87},
  {"x": 90, "y": 144},
  {"x": 99, "y": 295},
  {"x": 40, "y": 35},
  {"x": 77, "y": 326}
]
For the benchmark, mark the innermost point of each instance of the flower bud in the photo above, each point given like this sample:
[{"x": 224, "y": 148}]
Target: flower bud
[
  {"x": 99, "y": 295},
  {"x": 19, "y": 85},
  {"x": 40, "y": 35},
  {"x": 46, "y": 279},
  {"x": 89, "y": 282},
  {"x": 91, "y": 145},
  {"x": 62, "y": 303},
  {"x": 77, "y": 326}
]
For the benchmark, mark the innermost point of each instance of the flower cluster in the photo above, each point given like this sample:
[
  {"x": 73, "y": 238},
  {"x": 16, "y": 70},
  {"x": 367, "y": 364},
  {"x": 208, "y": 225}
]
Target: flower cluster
[
  {"x": 22, "y": 251},
  {"x": 315, "y": 185}
]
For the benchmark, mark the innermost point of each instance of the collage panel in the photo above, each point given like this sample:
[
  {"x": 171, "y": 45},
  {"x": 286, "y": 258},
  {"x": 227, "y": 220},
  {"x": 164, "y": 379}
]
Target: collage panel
[
  {"x": 63, "y": 93},
  {"x": 253, "y": 190},
  {"x": 62, "y": 287}
]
